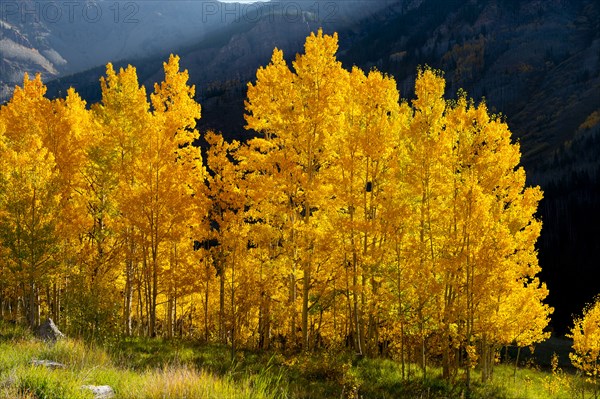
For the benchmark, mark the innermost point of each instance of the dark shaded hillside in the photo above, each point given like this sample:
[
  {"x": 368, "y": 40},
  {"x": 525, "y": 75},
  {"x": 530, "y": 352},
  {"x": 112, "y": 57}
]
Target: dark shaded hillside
[
  {"x": 569, "y": 245},
  {"x": 537, "y": 63}
]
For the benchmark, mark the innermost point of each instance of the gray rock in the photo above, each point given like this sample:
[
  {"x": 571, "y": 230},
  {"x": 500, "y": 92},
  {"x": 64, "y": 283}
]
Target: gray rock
[
  {"x": 48, "y": 363},
  {"x": 49, "y": 332},
  {"x": 100, "y": 391}
]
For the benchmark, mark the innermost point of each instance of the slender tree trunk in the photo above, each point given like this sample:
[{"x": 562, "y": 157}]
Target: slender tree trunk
[
  {"x": 305, "y": 295},
  {"x": 21, "y": 312},
  {"x": 233, "y": 324},
  {"x": 128, "y": 305},
  {"x": 400, "y": 313},
  {"x": 175, "y": 301},
  {"x": 169, "y": 321},
  {"x": 516, "y": 364},
  {"x": 402, "y": 349},
  {"x": 264, "y": 314},
  {"x": 446, "y": 356},
  {"x": 173, "y": 314},
  {"x": 147, "y": 292},
  {"x": 265, "y": 324},
  {"x": 350, "y": 317},
  {"x": 357, "y": 323},
  {"x": 423, "y": 353},
  {"x": 488, "y": 360},
  {"x": 140, "y": 302},
  {"x": 334, "y": 308},
  {"x": 373, "y": 336},
  {"x": 484, "y": 365},
  {"x": 129, "y": 285},
  {"x": 154, "y": 272},
  {"x": 410, "y": 358},
  {"x": 361, "y": 315},
  {"x": 154, "y": 294},
  {"x": 470, "y": 303},
  {"x": 32, "y": 305},
  {"x": 206, "y": 294},
  {"x": 222, "y": 334},
  {"x": 293, "y": 304},
  {"x": 595, "y": 382},
  {"x": 56, "y": 302},
  {"x": 49, "y": 301}
]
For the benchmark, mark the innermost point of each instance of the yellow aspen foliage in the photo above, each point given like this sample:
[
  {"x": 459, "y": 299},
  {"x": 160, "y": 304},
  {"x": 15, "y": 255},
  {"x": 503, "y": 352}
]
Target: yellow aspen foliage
[
  {"x": 471, "y": 231},
  {"x": 65, "y": 128},
  {"x": 123, "y": 116},
  {"x": 145, "y": 182},
  {"x": 363, "y": 180},
  {"x": 29, "y": 220},
  {"x": 268, "y": 250},
  {"x": 176, "y": 111},
  {"x": 494, "y": 230},
  {"x": 586, "y": 341},
  {"x": 26, "y": 113},
  {"x": 123, "y": 113},
  {"x": 30, "y": 204},
  {"x": 238, "y": 285},
  {"x": 117, "y": 121},
  {"x": 68, "y": 136},
  {"x": 163, "y": 199},
  {"x": 426, "y": 177},
  {"x": 300, "y": 114}
]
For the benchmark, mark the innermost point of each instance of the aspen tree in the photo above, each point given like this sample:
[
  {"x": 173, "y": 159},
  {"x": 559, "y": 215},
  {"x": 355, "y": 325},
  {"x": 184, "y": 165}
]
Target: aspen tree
[
  {"x": 586, "y": 342},
  {"x": 300, "y": 112},
  {"x": 176, "y": 175},
  {"x": 32, "y": 195},
  {"x": 362, "y": 177},
  {"x": 429, "y": 147},
  {"x": 123, "y": 116}
]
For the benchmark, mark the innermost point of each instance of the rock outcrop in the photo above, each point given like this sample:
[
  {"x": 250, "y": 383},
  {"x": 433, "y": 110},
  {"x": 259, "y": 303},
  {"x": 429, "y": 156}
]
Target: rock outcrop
[
  {"x": 48, "y": 364},
  {"x": 49, "y": 332},
  {"x": 100, "y": 391}
]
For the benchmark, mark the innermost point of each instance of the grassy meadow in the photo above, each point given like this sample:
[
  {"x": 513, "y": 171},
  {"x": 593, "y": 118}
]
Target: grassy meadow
[{"x": 155, "y": 369}]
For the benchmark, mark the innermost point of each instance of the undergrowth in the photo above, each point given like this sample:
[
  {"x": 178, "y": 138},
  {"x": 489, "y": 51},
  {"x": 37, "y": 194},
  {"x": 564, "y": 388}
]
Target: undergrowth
[{"x": 144, "y": 368}]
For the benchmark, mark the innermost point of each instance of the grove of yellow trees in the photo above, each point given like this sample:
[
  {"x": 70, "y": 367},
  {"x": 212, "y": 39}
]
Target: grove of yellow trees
[{"x": 352, "y": 219}]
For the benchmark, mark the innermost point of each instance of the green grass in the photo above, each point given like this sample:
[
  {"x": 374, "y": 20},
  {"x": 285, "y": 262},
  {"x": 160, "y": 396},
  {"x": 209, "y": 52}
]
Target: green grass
[
  {"x": 156, "y": 369},
  {"x": 165, "y": 375}
]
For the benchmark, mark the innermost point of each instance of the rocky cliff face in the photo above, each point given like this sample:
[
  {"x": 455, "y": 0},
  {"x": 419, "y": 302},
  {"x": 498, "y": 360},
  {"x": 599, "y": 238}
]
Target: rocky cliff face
[
  {"x": 59, "y": 38},
  {"x": 19, "y": 54}
]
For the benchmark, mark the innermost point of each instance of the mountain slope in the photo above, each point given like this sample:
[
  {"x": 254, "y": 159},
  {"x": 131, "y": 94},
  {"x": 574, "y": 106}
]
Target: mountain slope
[
  {"x": 61, "y": 38},
  {"x": 525, "y": 57}
]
